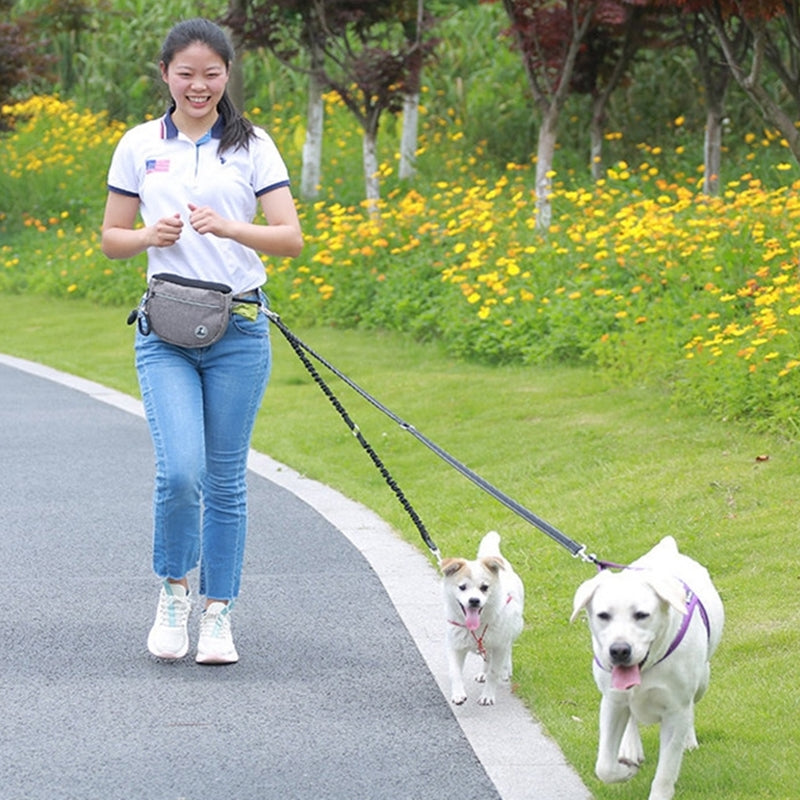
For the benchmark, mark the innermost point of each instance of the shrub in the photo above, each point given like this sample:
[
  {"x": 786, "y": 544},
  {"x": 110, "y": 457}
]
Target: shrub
[{"x": 639, "y": 275}]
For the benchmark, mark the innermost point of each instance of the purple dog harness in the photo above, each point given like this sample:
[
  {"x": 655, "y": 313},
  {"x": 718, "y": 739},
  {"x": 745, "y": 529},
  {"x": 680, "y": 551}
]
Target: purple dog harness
[{"x": 692, "y": 603}]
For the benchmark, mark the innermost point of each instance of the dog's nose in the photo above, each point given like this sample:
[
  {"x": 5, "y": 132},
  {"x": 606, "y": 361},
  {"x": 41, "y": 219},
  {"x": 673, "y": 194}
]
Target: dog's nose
[
  {"x": 620, "y": 652},
  {"x": 474, "y": 602}
]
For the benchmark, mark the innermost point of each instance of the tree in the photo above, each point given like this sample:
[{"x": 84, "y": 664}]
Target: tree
[
  {"x": 413, "y": 27},
  {"x": 603, "y": 61},
  {"x": 23, "y": 60},
  {"x": 315, "y": 125},
  {"x": 359, "y": 49},
  {"x": 716, "y": 76},
  {"x": 549, "y": 36},
  {"x": 774, "y": 26},
  {"x": 289, "y": 30}
]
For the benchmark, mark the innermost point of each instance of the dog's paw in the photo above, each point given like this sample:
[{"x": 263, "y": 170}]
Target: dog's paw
[
  {"x": 480, "y": 677},
  {"x": 486, "y": 700},
  {"x": 691, "y": 740},
  {"x": 631, "y": 751},
  {"x": 458, "y": 699},
  {"x": 615, "y": 772}
]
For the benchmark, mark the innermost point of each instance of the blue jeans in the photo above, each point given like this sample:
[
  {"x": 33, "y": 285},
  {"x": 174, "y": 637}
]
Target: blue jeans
[{"x": 201, "y": 405}]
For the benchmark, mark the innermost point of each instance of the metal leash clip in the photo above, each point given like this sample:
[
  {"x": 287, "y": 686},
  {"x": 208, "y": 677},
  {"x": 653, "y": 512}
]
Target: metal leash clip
[{"x": 589, "y": 558}]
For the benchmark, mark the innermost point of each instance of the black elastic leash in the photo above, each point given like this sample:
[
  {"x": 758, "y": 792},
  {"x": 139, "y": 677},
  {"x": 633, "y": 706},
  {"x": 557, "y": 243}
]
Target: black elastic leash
[
  {"x": 299, "y": 347},
  {"x": 577, "y": 550}
]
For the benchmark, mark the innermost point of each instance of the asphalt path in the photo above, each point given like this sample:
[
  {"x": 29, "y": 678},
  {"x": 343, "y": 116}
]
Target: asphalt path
[{"x": 341, "y": 687}]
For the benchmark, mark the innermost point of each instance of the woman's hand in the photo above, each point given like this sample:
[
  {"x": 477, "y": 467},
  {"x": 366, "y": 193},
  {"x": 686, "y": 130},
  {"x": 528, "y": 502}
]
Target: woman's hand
[
  {"x": 120, "y": 237},
  {"x": 166, "y": 231},
  {"x": 281, "y": 236},
  {"x": 205, "y": 220}
]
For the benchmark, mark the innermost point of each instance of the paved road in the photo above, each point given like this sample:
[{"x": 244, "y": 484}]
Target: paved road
[{"x": 339, "y": 691}]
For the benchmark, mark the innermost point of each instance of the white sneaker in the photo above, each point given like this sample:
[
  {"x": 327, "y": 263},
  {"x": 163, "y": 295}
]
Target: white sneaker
[
  {"x": 168, "y": 637},
  {"x": 215, "y": 645}
]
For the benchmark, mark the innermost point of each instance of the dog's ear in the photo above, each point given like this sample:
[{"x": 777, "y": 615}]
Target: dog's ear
[
  {"x": 669, "y": 589},
  {"x": 450, "y": 566},
  {"x": 493, "y": 563},
  {"x": 584, "y": 594}
]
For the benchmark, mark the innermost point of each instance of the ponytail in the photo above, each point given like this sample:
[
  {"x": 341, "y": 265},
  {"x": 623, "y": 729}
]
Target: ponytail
[{"x": 237, "y": 131}]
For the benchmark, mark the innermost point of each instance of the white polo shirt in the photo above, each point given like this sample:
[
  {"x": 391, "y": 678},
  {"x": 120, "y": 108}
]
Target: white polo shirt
[{"x": 166, "y": 170}]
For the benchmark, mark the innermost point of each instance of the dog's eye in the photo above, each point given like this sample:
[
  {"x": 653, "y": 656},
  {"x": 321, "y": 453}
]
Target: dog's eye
[
  {"x": 640, "y": 616},
  {"x": 604, "y": 615},
  {"x": 462, "y": 587},
  {"x": 484, "y": 587}
]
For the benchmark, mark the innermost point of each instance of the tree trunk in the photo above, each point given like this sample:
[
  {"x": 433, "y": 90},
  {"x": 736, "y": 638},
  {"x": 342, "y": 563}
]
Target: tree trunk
[
  {"x": 716, "y": 75},
  {"x": 236, "y": 85},
  {"x": 545, "y": 152},
  {"x": 630, "y": 45},
  {"x": 408, "y": 139},
  {"x": 236, "y": 82},
  {"x": 596, "y": 138},
  {"x": 371, "y": 179},
  {"x": 312, "y": 146},
  {"x": 712, "y": 149}
]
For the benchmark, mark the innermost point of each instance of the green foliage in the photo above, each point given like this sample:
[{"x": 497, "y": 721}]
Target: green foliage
[
  {"x": 482, "y": 88},
  {"x": 107, "y": 52},
  {"x": 639, "y": 275}
]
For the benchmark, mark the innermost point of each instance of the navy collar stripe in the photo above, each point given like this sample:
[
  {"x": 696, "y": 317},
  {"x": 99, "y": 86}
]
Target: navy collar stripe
[{"x": 170, "y": 131}]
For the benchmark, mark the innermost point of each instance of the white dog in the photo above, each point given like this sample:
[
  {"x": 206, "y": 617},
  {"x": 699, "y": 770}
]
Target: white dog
[
  {"x": 483, "y": 606},
  {"x": 654, "y": 626}
]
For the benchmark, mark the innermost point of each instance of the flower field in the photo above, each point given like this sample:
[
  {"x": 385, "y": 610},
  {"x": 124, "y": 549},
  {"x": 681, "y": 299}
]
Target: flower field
[{"x": 641, "y": 274}]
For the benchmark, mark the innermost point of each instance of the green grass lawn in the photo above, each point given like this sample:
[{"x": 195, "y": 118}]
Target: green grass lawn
[{"x": 614, "y": 467}]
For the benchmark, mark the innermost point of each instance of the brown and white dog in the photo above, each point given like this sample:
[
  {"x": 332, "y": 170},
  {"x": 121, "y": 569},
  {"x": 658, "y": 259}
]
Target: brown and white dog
[
  {"x": 655, "y": 626},
  {"x": 483, "y": 606}
]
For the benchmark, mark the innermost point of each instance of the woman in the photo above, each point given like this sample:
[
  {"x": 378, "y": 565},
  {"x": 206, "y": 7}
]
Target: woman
[{"x": 196, "y": 177}]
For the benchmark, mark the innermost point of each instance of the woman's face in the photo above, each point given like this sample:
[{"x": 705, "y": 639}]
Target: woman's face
[{"x": 196, "y": 77}]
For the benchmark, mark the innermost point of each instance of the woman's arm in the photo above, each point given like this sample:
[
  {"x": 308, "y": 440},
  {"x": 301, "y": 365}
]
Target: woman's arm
[
  {"x": 281, "y": 236},
  {"x": 119, "y": 237}
]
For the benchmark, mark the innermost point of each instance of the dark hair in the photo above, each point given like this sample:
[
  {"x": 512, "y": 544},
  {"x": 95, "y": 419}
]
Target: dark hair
[{"x": 237, "y": 130}]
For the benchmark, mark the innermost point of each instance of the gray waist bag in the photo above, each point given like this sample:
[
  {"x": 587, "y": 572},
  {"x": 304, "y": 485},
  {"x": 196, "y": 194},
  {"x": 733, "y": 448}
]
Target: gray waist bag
[{"x": 184, "y": 311}]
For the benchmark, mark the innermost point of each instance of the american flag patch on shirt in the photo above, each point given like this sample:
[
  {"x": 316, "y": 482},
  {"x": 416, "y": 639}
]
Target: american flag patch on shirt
[{"x": 156, "y": 165}]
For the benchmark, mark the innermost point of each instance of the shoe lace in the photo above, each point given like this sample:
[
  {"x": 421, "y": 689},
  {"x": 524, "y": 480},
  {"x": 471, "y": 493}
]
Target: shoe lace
[
  {"x": 215, "y": 624},
  {"x": 173, "y": 611}
]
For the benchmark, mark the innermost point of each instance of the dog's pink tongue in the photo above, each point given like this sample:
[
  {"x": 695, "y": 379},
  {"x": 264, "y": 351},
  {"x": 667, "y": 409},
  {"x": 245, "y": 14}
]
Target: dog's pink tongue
[
  {"x": 625, "y": 677},
  {"x": 472, "y": 619}
]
